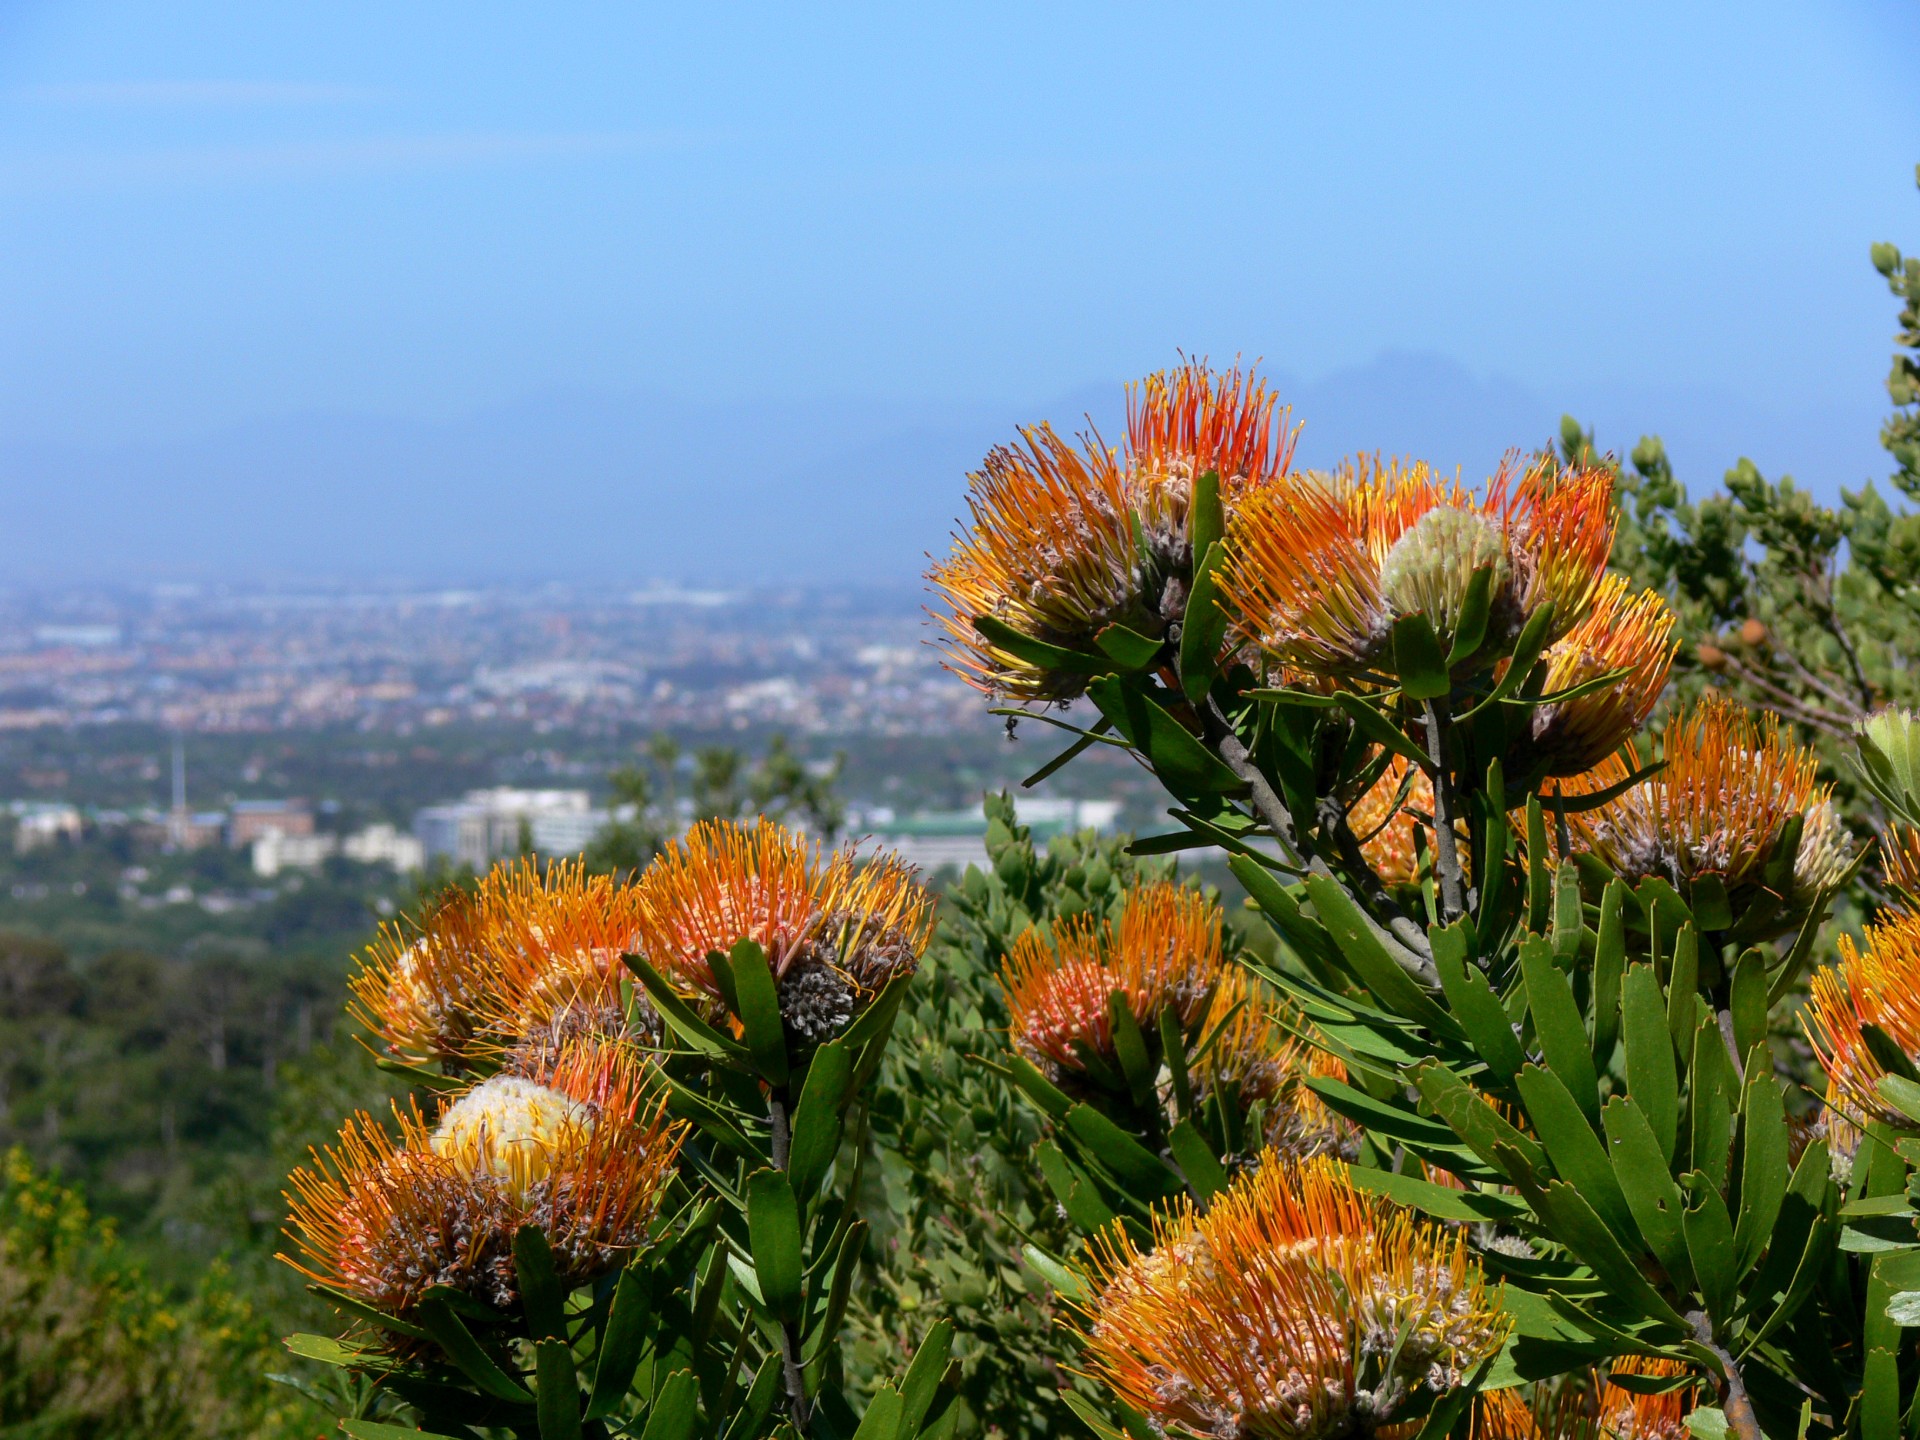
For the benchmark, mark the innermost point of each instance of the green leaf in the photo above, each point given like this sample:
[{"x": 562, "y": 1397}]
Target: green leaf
[
  {"x": 773, "y": 1229},
  {"x": 760, "y": 1397},
  {"x": 1042, "y": 1091},
  {"x": 457, "y": 1342},
  {"x": 1712, "y": 1101},
  {"x": 1206, "y": 1176},
  {"x": 1131, "y": 1048},
  {"x": 1470, "y": 627},
  {"x": 1887, "y": 1053},
  {"x": 1359, "y": 943},
  {"x": 1748, "y": 1003},
  {"x": 1206, "y": 516},
  {"x": 1653, "y": 1079},
  {"x": 621, "y": 1342},
  {"x": 1710, "y": 1244},
  {"x": 559, "y": 1398},
  {"x": 1074, "y": 1190},
  {"x": 347, "y": 1305},
  {"x": 1473, "y": 1002},
  {"x": 1129, "y": 649},
  {"x": 882, "y": 1420},
  {"x": 817, "y": 1118},
  {"x": 1442, "y": 1202},
  {"x": 1070, "y": 1284},
  {"x": 675, "y": 1409},
  {"x": 1173, "y": 1049},
  {"x": 1902, "y": 1094},
  {"x": 1683, "y": 989},
  {"x": 1184, "y": 765},
  {"x": 1574, "y": 1223},
  {"x": 1081, "y": 745},
  {"x": 922, "y": 1380},
  {"x": 758, "y": 1006},
  {"x": 1396, "y": 1121},
  {"x": 1484, "y": 1130},
  {"x": 1557, "y": 1023},
  {"x": 1136, "y": 1167},
  {"x": 1880, "y": 1397},
  {"x": 1707, "y": 898},
  {"x": 1589, "y": 800},
  {"x": 1568, "y": 922},
  {"x": 1526, "y": 650},
  {"x": 540, "y": 1292},
  {"x": 1574, "y": 1149},
  {"x": 1539, "y": 870},
  {"x": 1375, "y": 726},
  {"x": 1657, "y": 1204},
  {"x": 1417, "y": 658},
  {"x": 681, "y": 1019},
  {"x": 1763, "y": 1165},
  {"x": 1609, "y": 965},
  {"x": 1203, "y": 630},
  {"x": 373, "y": 1430},
  {"x": 1038, "y": 653}
]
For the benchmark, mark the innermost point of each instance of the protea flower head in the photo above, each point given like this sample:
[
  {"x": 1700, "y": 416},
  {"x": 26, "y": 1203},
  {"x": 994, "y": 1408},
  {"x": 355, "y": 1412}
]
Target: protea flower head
[
  {"x": 1630, "y": 1415},
  {"x": 555, "y": 935},
  {"x": 1297, "y": 1306},
  {"x": 1900, "y": 856},
  {"x": 835, "y": 928},
  {"x": 1384, "y": 818},
  {"x": 1164, "y": 952},
  {"x": 1730, "y": 785},
  {"x": 1878, "y": 984},
  {"x": 1320, "y": 566},
  {"x": 1623, "y": 631},
  {"x": 578, "y": 1153},
  {"x": 1258, "y": 1058},
  {"x": 421, "y": 988}
]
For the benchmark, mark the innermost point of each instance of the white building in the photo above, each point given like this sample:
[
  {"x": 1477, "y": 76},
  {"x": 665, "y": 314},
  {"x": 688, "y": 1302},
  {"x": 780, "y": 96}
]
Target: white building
[
  {"x": 488, "y": 824},
  {"x": 385, "y": 845},
  {"x": 39, "y": 823},
  {"x": 275, "y": 851}
]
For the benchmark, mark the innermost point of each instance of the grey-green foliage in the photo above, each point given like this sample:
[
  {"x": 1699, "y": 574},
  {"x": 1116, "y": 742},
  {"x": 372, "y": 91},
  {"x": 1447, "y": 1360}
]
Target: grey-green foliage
[{"x": 955, "y": 1193}]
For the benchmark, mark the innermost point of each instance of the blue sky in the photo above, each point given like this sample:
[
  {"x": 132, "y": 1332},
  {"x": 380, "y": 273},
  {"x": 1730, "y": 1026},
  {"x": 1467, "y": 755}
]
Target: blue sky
[{"x": 219, "y": 214}]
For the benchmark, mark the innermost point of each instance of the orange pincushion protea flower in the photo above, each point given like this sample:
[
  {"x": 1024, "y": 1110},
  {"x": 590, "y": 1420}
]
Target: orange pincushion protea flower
[
  {"x": 1875, "y": 985},
  {"x": 1296, "y": 1307},
  {"x": 1164, "y": 952},
  {"x": 1065, "y": 541},
  {"x": 1900, "y": 854},
  {"x": 555, "y": 937},
  {"x": 577, "y": 1153},
  {"x": 1730, "y": 784},
  {"x": 1629, "y": 1415},
  {"x": 421, "y": 989},
  {"x": 1383, "y": 820},
  {"x": 835, "y": 929},
  {"x": 1258, "y": 1055},
  {"x": 1621, "y": 632},
  {"x": 1319, "y": 567}
]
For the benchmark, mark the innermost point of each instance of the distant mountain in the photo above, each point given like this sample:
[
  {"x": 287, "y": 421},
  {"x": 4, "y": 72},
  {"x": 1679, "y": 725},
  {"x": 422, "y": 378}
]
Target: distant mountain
[{"x": 609, "y": 487}]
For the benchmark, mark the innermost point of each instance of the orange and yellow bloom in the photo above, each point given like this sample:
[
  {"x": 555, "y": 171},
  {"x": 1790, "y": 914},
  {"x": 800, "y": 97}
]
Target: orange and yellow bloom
[
  {"x": 1630, "y": 632},
  {"x": 1878, "y": 984},
  {"x": 1297, "y": 1306}
]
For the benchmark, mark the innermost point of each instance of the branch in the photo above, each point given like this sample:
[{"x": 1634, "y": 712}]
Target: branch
[
  {"x": 1446, "y": 844},
  {"x": 1734, "y": 1402},
  {"x": 797, "y": 1407}
]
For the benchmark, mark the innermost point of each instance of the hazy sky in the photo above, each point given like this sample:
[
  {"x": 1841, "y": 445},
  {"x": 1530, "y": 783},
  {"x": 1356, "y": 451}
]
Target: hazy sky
[{"x": 213, "y": 213}]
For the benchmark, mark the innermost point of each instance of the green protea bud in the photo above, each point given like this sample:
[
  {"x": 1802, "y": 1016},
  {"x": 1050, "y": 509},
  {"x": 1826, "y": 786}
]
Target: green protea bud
[
  {"x": 1890, "y": 761},
  {"x": 1428, "y": 569}
]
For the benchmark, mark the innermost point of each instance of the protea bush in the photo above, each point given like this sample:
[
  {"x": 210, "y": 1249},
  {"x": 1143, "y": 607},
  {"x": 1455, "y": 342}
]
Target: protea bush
[{"x": 1551, "y": 1103}]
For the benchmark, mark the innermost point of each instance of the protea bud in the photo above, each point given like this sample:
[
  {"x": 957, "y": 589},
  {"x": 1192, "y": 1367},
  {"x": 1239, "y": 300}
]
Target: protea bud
[{"x": 1890, "y": 760}]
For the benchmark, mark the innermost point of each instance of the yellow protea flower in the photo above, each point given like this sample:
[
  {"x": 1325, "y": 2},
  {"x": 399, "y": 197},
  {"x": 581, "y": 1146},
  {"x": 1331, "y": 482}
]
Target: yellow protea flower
[
  {"x": 835, "y": 928},
  {"x": 1626, "y": 631},
  {"x": 1297, "y": 1306},
  {"x": 578, "y": 1152},
  {"x": 1875, "y": 984},
  {"x": 555, "y": 936},
  {"x": 1164, "y": 951},
  {"x": 1730, "y": 784},
  {"x": 1259, "y": 1057},
  {"x": 421, "y": 988},
  {"x": 1319, "y": 566}
]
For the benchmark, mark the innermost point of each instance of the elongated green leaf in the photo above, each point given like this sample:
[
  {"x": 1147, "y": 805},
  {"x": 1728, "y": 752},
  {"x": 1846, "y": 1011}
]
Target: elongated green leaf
[
  {"x": 1003, "y": 636},
  {"x": 1710, "y": 1243},
  {"x": 1880, "y": 1397},
  {"x": 882, "y": 1420},
  {"x": 681, "y": 1019},
  {"x": 1131, "y": 1048},
  {"x": 1206, "y": 516},
  {"x": 1137, "y": 1167},
  {"x": 1376, "y": 727},
  {"x": 1683, "y": 986},
  {"x": 1442, "y": 1202},
  {"x": 1526, "y": 650},
  {"x": 1557, "y": 1023},
  {"x": 1568, "y": 922},
  {"x": 1707, "y": 898},
  {"x": 1206, "y": 1176},
  {"x": 1184, "y": 765},
  {"x": 374, "y": 1430},
  {"x": 1887, "y": 1052},
  {"x": 1418, "y": 660},
  {"x": 1074, "y": 1190},
  {"x": 540, "y": 1293},
  {"x": 1384, "y": 1116},
  {"x": 675, "y": 1410},
  {"x": 1069, "y": 1282},
  {"x": 1042, "y": 1091},
  {"x": 817, "y": 1118},
  {"x": 347, "y": 1305},
  {"x": 1590, "y": 800},
  {"x": 1360, "y": 944},
  {"x": 1764, "y": 1168},
  {"x": 1713, "y": 1099},
  {"x": 922, "y": 1381},
  {"x": 773, "y": 1228},
  {"x": 1484, "y": 1130},
  {"x": 1470, "y": 628},
  {"x": 1609, "y": 965},
  {"x": 620, "y": 1342},
  {"x": 1474, "y": 1004},
  {"x": 1652, "y": 1077},
  {"x": 1575, "y": 1224},
  {"x": 1539, "y": 870},
  {"x": 1173, "y": 1050},
  {"x": 1574, "y": 1149},
  {"x": 1203, "y": 631},
  {"x": 760, "y": 1397},
  {"x": 1079, "y": 747},
  {"x": 459, "y": 1346},
  {"x": 559, "y": 1397},
  {"x": 757, "y": 1002},
  {"x": 1129, "y": 649},
  {"x": 1657, "y": 1204},
  {"x": 825, "y": 1319},
  {"x": 1902, "y": 1094}
]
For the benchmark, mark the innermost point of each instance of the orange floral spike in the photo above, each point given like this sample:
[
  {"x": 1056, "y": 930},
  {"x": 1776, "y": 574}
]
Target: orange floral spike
[
  {"x": 1621, "y": 632},
  {"x": 576, "y": 1153},
  {"x": 1164, "y": 952},
  {"x": 1259, "y": 1317},
  {"x": 1259, "y": 1058},
  {"x": 1050, "y": 552},
  {"x": 1729, "y": 786},
  {"x": 1630, "y": 1415},
  {"x": 1383, "y": 821},
  {"x": 1875, "y": 985},
  {"x": 1194, "y": 419},
  {"x": 421, "y": 991},
  {"x": 1560, "y": 526},
  {"x": 1900, "y": 854},
  {"x": 835, "y": 929}
]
